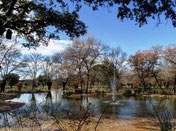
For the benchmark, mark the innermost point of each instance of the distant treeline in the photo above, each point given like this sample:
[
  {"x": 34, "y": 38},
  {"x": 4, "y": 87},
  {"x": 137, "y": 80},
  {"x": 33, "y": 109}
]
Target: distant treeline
[{"x": 88, "y": 63}]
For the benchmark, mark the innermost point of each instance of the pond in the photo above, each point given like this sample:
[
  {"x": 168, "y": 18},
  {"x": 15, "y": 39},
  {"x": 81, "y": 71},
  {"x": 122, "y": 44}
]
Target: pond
[{"x": 52, "y": 102}]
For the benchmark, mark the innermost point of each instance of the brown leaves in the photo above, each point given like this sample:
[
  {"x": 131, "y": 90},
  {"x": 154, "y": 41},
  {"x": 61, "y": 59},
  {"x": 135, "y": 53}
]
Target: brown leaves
[
  {"x": 169, "y": 54},
  {"x": 144, "y": 63}
]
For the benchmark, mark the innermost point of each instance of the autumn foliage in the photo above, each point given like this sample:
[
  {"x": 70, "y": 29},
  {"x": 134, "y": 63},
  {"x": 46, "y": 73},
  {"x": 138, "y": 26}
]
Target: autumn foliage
[{"x": 144, "y": 64}]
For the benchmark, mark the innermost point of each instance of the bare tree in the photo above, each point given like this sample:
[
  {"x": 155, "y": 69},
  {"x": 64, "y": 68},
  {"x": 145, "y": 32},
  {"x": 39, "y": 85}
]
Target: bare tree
[
  {"x": 73, "y": 59},
  {"x": 10, "y": 61},
  {"x": 33, "y": 66},
  {"x": 91, "y": 54},
  {"x": 154, "y": 58},
  {"x": 61, "y": 69},
  {"x": 51, "y": 67},
  {"x": 166, "y": 73},
  {"x": 64, "y": 73},
  {"x": 58, "y": 59},
  {"x": 169, "y": 54},
  {"x": 93, "y": 49},
  {"x": 82, "y": 55}
]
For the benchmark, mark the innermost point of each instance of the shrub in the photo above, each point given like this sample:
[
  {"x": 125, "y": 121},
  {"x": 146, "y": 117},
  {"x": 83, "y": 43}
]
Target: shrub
[
  {"x": 127, "y": 92},
  {"x": 165, "y": 117},
  {"x": 139, "y": 91}
]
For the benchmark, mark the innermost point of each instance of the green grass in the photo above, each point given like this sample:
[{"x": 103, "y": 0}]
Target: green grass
[{"x": 25, "y": 89}]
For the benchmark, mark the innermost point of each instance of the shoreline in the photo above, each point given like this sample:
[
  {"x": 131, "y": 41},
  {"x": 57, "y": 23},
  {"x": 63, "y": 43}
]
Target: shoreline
[
  {"x": 78, "y": 96},
  {"x": 9, "y": 105},
  {"x": 159, "y": 95}
]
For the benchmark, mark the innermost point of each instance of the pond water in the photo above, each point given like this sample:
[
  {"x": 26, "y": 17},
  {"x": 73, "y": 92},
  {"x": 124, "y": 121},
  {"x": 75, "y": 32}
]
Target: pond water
[{"x": 53, "y": 102}]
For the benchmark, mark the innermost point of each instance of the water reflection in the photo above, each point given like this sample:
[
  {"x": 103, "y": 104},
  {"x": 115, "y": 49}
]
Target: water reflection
[
  {"x": 127, "y": 106},
  {"x": 52, "y": 101},
  {"x": 49, "y": 96}
]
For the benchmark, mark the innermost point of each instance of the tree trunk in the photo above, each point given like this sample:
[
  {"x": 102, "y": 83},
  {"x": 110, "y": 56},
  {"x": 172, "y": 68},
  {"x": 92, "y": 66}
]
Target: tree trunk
[
  {"x": 57, "y": 84},
  {"x": 81, "y": 81},
  {"x": 87, "y": 85},
  {"x": 143, "y": 83},
  {"x": 63, "y": 84},
  {"x": 49, "y": 84},
  {"x": 81, "y": 84},
  {"x": 43, "y": 85},
  {"x": 3, "y": 84},
  {"x": 142, "y": 80},
  {"x": 157, "y": 81},
  {"x": 174, "y": 89},
  {"x": 167, "y": 85},
  {"x": 33, "y": 85}
]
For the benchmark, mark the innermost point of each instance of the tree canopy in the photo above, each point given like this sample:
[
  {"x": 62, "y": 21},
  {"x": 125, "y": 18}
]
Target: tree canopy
[
  {"x": 138, "y": 10},
  {"x": 12, "y": 79},
  {"x": 39, "y": 20}
]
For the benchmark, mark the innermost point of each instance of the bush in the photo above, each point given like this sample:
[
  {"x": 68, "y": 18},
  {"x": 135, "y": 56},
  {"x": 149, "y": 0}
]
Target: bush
[
  {"x": 165, "y": 117},
  {"x": 26, "y": 84},
  {"x": 127, "y": 92},
  {"x": 139, "y": 91},
  {"x": 13, "y": 79},
  {"x": 161, "y": 91},
  {"x": 68, "y": 93}
]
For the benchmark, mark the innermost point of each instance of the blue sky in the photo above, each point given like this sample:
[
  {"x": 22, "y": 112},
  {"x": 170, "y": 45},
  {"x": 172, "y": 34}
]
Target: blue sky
[{"x": 104, "y": 25}]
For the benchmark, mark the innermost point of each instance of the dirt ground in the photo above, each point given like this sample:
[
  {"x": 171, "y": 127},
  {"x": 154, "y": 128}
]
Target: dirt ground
[{"x": 124, "y": 123}]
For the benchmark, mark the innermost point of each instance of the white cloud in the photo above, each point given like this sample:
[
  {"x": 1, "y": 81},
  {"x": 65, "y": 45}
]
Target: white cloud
[{"x": 53, "y": 47}]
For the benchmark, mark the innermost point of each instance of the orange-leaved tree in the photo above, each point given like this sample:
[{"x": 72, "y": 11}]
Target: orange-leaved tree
[{"x": 145, "y": 64}]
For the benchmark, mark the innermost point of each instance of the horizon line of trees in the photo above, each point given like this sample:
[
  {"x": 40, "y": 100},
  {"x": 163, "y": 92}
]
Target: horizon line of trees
[{"x": 89, "y": 63}]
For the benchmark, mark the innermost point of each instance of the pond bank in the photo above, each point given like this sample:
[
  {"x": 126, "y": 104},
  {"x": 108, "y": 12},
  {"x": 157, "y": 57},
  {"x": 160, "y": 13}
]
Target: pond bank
[
  {"x": 159, "y": 95},
  {"x": 79, "y": 96},
  {"x": 8, "y": 105},
  {"x": 7, "y": 96},
  {"x": 37, "y": 91}
]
